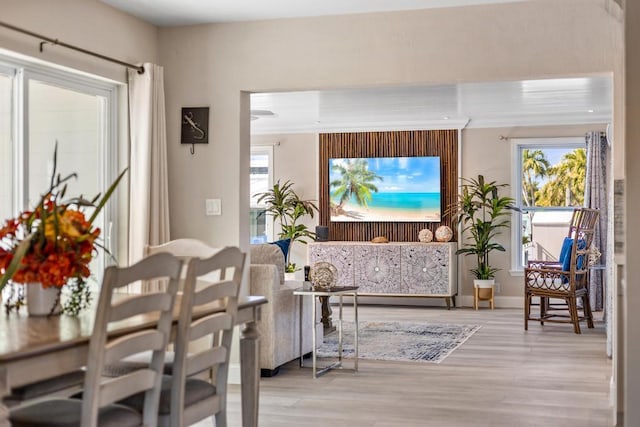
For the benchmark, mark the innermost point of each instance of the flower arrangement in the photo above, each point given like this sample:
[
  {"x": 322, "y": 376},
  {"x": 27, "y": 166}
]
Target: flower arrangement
[{"x": 53, "y": 244}]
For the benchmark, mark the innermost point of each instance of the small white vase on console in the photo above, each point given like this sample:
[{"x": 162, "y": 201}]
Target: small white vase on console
[{"x": 41, "y": 301}]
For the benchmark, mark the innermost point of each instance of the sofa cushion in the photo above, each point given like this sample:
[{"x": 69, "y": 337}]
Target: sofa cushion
[{"x": 266, "y": 253}]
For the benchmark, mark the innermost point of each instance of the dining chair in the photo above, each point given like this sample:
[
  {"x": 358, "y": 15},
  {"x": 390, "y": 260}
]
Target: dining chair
[
  {"x": 186, "y": 398},
  {"x": 184, "y": 249},
  {"x": 566, "y": 278},
  {"x": 98, "y": 405},
  {"x": 70, "y": 383}
]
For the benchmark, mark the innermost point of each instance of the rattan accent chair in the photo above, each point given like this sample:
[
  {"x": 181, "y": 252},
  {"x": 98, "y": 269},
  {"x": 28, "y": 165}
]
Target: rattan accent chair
[{"x": 565, "y": 279}]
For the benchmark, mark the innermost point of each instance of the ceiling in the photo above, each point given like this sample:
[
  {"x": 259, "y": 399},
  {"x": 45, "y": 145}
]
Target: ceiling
[
  {"x": 496, "y": 104},
  {"x": 189, "y": 12}
]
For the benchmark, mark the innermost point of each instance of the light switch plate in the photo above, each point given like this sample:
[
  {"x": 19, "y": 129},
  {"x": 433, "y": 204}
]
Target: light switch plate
[{"x": 213, "y": 207}]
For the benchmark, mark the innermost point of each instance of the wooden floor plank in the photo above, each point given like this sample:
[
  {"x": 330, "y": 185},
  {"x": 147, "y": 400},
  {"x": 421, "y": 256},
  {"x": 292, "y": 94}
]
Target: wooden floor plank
[{"x": 502, "y": 376}]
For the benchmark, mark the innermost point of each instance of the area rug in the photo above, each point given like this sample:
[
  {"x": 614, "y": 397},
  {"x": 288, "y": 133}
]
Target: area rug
[{"x": 418, "y": 342}]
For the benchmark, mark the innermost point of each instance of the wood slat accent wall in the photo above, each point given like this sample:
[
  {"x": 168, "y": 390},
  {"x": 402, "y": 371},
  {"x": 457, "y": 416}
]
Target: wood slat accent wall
[{"x": 443, "y": 143}]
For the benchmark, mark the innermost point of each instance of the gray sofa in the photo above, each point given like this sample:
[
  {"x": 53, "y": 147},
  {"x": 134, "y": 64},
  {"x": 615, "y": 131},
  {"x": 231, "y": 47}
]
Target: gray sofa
[{"x": 280, "y": 320}]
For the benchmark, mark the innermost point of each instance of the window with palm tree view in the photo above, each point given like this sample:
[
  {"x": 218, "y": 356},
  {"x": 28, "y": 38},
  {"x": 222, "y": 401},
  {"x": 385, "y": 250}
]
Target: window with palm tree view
[{"x": 552, "y": 185}]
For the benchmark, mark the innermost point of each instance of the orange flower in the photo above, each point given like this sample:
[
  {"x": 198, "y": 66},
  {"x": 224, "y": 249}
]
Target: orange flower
[{"x": 53, "y": 244}]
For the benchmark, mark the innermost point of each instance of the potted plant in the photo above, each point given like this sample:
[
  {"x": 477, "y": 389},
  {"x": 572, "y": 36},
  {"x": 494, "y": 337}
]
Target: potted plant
[
  {"x": 286, "y": 207},
  {"x": 482, "y": 212},
  {"x": 51, "y": 247}
]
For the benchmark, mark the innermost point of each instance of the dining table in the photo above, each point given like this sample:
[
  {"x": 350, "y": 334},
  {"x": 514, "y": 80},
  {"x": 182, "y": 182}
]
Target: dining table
[{"x": 38, "y": 348}]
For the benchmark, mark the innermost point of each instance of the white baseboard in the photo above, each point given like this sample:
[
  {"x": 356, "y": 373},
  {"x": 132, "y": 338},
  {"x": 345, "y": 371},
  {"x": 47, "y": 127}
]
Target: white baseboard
[
  {"x": 500, "y": 302},
  {"x": 461, "y": 301}
]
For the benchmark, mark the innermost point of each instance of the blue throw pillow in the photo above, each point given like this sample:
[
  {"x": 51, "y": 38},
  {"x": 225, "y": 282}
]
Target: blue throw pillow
[
  {"x": 566, "y": 249},
  {"x": 566, "y": 261},
  {"x": 283, "y": 245}
]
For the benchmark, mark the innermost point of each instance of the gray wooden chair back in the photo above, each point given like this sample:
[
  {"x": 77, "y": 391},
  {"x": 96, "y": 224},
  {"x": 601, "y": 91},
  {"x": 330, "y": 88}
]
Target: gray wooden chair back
[
  {"x": 105, "y": 349},
  {"x": 229, "y": 264},
  {"x": 183, "y": 248}
]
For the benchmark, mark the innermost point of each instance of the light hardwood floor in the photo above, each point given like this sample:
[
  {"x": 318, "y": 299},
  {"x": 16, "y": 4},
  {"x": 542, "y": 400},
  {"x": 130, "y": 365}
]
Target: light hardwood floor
[{"x": 501, "y": 376}]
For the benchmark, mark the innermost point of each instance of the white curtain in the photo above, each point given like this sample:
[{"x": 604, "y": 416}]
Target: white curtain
[{"x": 149, "y": 203}]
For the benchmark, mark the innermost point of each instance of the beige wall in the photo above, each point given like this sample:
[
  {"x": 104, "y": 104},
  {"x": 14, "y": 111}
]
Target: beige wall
[
  {"x": 212, "y": 64},
  {"x": 485, "y": 153},
  {"x": 89, "y": 24},
  {"x": 631, "y": 293}
]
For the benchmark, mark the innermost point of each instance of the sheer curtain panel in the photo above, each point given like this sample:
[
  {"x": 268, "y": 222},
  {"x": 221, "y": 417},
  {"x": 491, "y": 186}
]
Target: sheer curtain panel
[{"x": 149, "y": 204}]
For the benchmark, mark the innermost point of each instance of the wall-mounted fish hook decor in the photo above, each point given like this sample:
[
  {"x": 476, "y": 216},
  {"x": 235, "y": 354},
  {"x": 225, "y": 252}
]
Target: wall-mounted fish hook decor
[{"x": 195, "y": 126}]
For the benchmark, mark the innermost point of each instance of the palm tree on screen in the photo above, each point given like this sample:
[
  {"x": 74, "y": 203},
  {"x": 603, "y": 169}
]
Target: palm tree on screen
[{"x": 356, "y": 181}]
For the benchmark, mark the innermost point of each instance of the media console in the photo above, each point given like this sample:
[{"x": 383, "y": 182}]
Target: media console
[{"x": 401, "y": 269}]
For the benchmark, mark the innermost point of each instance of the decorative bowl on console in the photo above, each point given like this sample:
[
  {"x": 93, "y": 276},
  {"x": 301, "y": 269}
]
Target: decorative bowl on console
[
  {"x": 323, "y": 275},
  {"x": 444, "y": 233},
  {"x": 425, "y": 235}
]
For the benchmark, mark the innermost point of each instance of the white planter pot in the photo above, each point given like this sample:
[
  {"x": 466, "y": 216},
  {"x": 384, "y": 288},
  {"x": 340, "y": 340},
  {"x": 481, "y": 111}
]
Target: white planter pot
[
  {"x": 289, "y": 276},
  {"x": 481, "y": 283},
  {"x": 40, "y": 301}
]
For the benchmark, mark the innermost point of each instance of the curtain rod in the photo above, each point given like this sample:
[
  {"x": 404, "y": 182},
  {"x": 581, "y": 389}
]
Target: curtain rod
[{"x": 46, "y": 39}]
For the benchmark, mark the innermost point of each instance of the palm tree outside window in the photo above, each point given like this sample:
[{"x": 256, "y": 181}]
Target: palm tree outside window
[{"x": 551, "y": 176}]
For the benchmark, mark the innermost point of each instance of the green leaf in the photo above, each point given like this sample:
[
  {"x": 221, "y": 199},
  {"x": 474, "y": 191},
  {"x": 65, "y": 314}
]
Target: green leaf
[
  {"x": 482, "y": 213},
  {"x": 106, "y": 196}
]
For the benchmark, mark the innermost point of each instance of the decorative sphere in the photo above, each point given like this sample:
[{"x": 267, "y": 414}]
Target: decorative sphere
[
  {"x": 425, "y": 235},
  {"x": 444, "y": 233}
]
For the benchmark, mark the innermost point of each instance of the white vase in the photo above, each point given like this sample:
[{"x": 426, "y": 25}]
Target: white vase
[
  {"x": 40, "y": 301},
  {"x": 484, "y": 283}
]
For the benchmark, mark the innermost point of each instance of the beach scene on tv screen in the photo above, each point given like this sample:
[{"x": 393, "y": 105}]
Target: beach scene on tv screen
[{"x": 375, "y": 189}]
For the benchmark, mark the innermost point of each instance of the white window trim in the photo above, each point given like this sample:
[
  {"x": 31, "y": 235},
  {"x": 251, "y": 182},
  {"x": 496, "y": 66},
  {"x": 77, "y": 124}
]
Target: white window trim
[
  {"x": 25, "y": 69},
  {"x": 268, "y": 149},
  {"x": 516, "y": 185}
]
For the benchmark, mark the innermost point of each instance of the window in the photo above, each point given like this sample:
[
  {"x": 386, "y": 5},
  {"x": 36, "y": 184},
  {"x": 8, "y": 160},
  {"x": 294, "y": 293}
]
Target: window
[
  {"x": 40, "y": 106},
  {"x": 6, "y": 152},
  {"x": 549, "y": 183},
  {"x": 261, "y": 180}
]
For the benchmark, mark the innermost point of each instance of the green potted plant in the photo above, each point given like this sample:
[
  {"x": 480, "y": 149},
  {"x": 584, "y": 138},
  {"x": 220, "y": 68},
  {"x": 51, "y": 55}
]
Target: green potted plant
[
  {"x": 286, "y": 207},
  {"x": 482, "y": 212}
]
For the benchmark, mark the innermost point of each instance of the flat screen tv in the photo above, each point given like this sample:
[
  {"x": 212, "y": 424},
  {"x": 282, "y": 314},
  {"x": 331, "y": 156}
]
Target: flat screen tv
[{"x": 379, "y": 189}]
